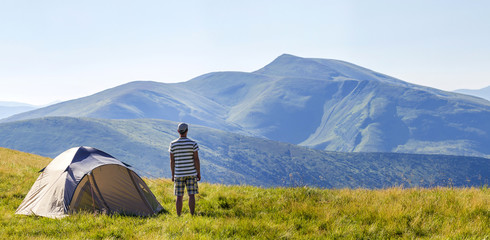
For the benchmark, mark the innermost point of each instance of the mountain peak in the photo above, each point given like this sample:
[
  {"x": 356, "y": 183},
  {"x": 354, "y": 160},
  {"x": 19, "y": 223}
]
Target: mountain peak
[
  {"x": 288, "y": 56},
  {"x": 287, "y": 65},
  {"x": 293, "y": 66}
]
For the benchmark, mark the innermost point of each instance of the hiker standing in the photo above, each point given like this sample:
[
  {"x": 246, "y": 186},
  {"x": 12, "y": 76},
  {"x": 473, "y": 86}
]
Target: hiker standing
[{"x": 184, "y": 162}]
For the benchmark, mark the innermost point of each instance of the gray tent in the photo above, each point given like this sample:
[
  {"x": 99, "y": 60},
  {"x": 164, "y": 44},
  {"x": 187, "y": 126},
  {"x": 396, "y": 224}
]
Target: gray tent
[{"x": 85, "y": 178}]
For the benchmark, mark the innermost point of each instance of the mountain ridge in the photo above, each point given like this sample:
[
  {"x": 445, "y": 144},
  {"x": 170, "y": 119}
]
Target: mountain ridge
[
  {"x": 319, "y": 103},
  {"x": 288, "y": 65}
]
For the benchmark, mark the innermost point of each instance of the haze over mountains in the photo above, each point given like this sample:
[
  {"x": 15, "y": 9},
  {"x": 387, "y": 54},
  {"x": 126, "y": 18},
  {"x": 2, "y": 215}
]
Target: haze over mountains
[
  {"x": 8, "y": 109},
  {"x": 319, "y": 103},
  {"x": 483, "y": 93}
]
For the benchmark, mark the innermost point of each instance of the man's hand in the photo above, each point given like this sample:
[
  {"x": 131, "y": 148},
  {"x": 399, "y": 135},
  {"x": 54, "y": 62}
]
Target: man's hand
[
  {"x": 173, "y": 178},
  {"x": 198, "y": 177}
]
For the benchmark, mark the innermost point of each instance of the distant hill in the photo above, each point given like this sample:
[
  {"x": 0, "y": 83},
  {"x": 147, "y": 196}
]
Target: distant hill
[
  {"x": 319, "y": 103},
  {"x": 483, "y": 93},
  {"x": 236, "y": 159},
  {"x": 8, "y": 109},
  {"x": 14, "y": 104}
]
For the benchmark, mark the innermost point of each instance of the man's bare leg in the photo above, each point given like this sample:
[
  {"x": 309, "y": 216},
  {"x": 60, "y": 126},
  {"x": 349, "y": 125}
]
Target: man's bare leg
[
  {"x": 178, "y": 204},
  {"x": 192, "y": 203}
]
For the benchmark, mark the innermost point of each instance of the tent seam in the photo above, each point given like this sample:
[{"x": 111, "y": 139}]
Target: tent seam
[{"x": 139, "y": 192}]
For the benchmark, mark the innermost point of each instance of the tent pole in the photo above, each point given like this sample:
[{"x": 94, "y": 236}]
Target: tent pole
[
  {"x": 100, "y": 194},
  {"x": 91, "y": 191}
]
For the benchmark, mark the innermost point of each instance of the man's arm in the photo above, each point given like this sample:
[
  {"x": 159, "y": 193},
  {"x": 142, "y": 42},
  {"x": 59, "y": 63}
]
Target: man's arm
[
  {"x": 172, "y": 165},
  {"x": 197, "y": 164}
]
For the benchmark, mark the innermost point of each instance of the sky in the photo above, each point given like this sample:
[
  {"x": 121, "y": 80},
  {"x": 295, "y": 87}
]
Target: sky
[{"x": 61, "y": 50}]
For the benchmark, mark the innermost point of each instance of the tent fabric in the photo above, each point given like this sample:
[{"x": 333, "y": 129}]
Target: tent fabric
[{"x": 88, "y": 179}]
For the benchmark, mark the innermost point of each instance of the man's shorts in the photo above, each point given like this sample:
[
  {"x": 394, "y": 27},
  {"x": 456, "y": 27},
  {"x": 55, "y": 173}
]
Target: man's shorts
[{"x": 180, "y": 183}]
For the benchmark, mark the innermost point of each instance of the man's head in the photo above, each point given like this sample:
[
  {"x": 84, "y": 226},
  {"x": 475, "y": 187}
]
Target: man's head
[{"x": 182, "y": 129}]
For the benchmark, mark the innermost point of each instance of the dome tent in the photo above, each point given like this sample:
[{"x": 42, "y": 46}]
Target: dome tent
[{"x": 85, "y": 178}]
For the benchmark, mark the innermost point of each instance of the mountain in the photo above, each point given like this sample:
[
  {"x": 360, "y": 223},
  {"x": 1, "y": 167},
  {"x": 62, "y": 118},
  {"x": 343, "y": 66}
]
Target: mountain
[
  {"x": 236, "y": 159},
  {"x": 319, "y": 103},
  {"x": 338, "y": 106},
  {"x": 483, "y": 93},
  {"x": 137, "y": 100},
  {"x": 8, "y": 109}
]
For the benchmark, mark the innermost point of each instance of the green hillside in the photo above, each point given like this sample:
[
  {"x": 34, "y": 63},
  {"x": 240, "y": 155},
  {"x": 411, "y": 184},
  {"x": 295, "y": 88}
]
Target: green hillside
[
  {"x": 245, "y": 212},
  {"x": 237, "y": 159}
]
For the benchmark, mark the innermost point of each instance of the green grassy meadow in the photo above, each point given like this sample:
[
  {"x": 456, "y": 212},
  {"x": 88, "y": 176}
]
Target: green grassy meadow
[{"x": 246, "y": 212}]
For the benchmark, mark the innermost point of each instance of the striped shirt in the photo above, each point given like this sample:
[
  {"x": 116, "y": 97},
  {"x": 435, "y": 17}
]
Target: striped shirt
[{"x": 183, "y": 150}]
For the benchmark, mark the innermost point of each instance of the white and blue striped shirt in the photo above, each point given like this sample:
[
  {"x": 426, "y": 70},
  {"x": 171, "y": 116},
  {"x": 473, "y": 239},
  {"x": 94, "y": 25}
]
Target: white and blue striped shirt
[{"x": 183, "y": 150}]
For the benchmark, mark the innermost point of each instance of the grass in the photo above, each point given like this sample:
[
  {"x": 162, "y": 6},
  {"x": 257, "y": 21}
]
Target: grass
[{"x": 244, "y": 212}]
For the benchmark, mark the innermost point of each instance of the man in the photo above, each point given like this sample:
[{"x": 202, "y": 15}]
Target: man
[{"x": 186, "y": 169}]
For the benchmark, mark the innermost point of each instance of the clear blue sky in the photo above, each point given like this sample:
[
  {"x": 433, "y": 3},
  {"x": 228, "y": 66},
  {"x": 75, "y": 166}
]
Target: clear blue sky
[{"x": 60, "y": 50}]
